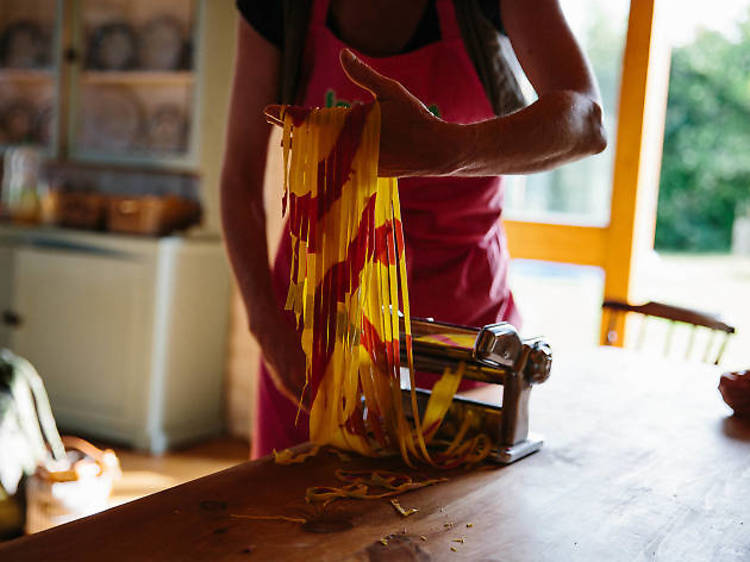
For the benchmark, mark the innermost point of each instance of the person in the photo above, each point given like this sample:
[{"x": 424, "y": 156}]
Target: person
[
  {"x": 735, "y": 390},
  {"x": 405, "y": 55}
]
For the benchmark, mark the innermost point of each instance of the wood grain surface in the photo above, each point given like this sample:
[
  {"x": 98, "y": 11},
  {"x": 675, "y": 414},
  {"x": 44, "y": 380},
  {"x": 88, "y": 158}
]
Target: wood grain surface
[{"x": 642, "y": 461}]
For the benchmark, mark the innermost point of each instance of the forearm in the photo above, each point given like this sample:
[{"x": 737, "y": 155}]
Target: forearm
[
  {"x": 244, "y": 221},
  {"x": 560, "y": 127},
  {"x": 242, "y": 205}
]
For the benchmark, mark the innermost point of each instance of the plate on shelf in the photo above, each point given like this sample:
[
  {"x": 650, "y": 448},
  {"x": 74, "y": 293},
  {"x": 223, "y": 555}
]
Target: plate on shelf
[
  {"x": 24, "y": 44},
  {"x": 111, "y": 120},
  {"x": 168, "y": 129},
  {"x": 17, "y": 122},
  {"x": 112, "y": 46},
  {"x": 161, "y": 44}
]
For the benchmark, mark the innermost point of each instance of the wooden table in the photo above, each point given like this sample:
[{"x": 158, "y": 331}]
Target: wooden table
[{"x": 642, "y": 461}]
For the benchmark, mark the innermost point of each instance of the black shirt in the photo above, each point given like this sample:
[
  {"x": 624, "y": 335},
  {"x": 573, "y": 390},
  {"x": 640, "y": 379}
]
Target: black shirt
[{"x": 267, "y": 19}]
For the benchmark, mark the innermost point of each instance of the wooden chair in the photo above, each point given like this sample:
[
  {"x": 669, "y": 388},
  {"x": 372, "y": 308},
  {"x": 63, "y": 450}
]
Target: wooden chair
[{"x": 674, "y": 315}]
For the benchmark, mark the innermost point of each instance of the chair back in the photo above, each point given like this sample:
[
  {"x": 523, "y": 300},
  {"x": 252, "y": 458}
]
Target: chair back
[{"x": 673, "y": 316}]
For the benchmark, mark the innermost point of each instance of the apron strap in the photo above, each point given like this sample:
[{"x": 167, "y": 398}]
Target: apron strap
[
  {"x": 296, "y": 24},
  {"x": 447, "y": 16},
  {"x": 320, "y": 12}
]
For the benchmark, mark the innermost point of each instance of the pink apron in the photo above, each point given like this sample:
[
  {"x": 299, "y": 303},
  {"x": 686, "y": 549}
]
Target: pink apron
[{"x": 455, "y": 244}]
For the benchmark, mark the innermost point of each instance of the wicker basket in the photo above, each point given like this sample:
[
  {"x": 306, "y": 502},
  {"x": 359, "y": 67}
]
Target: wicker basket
[
  {"x": 81, "y": 487},
  {"x": 156, "y": 216},
  {"x": 82, "y": 210}
]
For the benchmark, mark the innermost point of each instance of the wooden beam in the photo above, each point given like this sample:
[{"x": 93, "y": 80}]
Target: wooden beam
[
  {"x": 640, "y": 128},
  {"x": 584, "y": 245}
]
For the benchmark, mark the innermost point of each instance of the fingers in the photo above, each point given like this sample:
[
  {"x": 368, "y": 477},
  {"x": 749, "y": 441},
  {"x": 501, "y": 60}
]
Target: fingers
[
  {"x": 287, "y": 371},
  {"x": 287, "y": 389},
  {"x": 272, "y": 114},
  {"x": 735, "y": 390},
  {"x": 365, "y": 76}
]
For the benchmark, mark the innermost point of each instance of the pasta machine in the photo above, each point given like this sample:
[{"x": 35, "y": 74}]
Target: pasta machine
[{"x": 494, "y": 354}]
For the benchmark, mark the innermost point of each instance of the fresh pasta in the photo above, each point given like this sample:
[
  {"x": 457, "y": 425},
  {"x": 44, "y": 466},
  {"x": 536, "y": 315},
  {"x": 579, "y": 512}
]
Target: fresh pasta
[{"x": 348, "y": 290}]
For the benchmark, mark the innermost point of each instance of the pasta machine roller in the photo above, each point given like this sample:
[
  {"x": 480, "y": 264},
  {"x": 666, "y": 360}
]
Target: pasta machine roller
[{"x": 494, "y": 354}]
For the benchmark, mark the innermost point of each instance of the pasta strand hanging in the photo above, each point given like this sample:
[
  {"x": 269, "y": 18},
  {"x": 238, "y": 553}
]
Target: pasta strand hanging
[{"x": 348, "y": 291}]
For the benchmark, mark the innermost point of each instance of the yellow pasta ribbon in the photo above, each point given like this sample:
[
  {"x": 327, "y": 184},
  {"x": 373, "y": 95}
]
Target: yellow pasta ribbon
[{"x": 349, "y": 293}]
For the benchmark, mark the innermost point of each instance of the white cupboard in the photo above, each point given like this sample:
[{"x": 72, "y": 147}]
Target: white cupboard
[{"x": 128, "y": 333}]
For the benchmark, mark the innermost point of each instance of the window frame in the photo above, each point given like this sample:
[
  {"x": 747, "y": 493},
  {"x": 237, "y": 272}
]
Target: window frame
[{"x": 619, "y": 246}]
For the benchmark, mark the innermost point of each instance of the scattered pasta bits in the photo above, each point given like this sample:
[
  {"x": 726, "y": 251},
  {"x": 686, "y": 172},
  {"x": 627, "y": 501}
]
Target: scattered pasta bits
[
  {"x": 460, "y": 539},
  {"x": 348, "y": 291},
  {"x": 423, "y": 538},
  {"x": 469, "y": 525},
  {"x": 405, "y": 511},
  {"x": 269, "y": 518},
  {"x": 454, "y": 549},
  {"x": 288, "y": 456},
  {"x": 343, "y": 457},
  {"x": 367, "y": 485}
]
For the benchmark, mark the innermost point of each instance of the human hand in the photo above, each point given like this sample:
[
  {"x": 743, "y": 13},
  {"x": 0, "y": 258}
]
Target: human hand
[
  {"x": 735, "y": 389},
  {"x": 413, "y": 141},
  {"x": 284, "y": 358}
]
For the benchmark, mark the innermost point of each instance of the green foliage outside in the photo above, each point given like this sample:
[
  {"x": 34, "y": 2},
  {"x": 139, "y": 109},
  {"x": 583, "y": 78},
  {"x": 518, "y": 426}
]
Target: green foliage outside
[{"x": 705, "y": 173}]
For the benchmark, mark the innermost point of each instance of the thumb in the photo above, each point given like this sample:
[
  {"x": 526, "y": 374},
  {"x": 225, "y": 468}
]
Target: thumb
[{"x": 364, "y": 75}]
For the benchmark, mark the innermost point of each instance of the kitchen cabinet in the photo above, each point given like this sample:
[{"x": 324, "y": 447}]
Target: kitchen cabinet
[
  {"x": 30, "y": 73},
  {"x": 128, "y": 333},
  {"x": 6, "y": 282},
  {"x": 133, "y": 81},
  {"x": 107, "y": 81},
  {"x": 161, "y": 108}
]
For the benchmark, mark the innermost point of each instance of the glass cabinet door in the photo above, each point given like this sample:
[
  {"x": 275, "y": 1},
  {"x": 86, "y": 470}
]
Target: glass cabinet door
[
  {"x": 133, "y": 82},
  {"x": 29, "y": 73}
]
